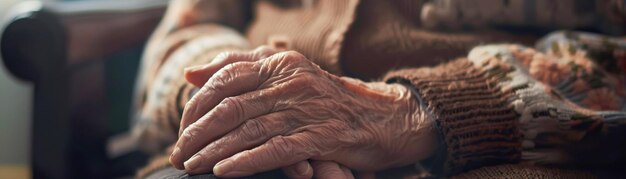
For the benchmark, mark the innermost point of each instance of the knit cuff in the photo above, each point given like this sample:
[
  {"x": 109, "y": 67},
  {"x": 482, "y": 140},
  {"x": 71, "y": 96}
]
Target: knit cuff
[{"x": 477, "y": 126}]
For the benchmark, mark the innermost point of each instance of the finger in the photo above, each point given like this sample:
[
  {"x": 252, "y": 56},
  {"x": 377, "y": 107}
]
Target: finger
[
  {"x": 188, "y": 18},
  {"x": 217, "y": 89},
  {"x": 327, "y": 170},
  {"x": 199, "y": 75},
  {"x": 226, "y": 116},
  {"x": 252, "y": 133},
  {"x": 234, "y": 79},
  {"x": 300, "y": 170},
  {"x": 246, "y": 76},
  {"x": 347, "y": 172},
  {"x": 278, "y": 152}
]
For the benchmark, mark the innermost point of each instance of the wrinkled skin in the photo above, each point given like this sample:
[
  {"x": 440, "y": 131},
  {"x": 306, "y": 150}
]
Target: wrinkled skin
[
  {"x": 257, "y": 115},
  {"x": 185, "y": 13},
  {"x": 199, "y": 75}
]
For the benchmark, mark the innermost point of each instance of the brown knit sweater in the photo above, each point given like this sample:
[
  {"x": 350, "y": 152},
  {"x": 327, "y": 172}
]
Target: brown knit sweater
[
  {"x": 477, "y": 125},
  {"x": 510, "y": 104},
  {"x": 501, "y": 104}
]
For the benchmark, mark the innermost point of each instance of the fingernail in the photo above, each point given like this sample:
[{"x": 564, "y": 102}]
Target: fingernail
[
  {"x": 192, "y": 163},
  {"x": 222, "y": 167},
  {"x": 225, "y": 169},
  {"x": 303, "y": 168}
]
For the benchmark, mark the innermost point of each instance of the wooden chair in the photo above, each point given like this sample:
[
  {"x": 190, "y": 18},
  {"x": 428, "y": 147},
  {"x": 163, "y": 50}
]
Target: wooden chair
[{"x": 82, "y": 58}]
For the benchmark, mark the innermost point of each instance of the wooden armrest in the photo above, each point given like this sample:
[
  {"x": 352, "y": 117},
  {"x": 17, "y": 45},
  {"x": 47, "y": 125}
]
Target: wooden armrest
[
  {"x": 50, "y": 45},
  {"x": 71, "y": 33},
  {"x": 97, "y": 28}
]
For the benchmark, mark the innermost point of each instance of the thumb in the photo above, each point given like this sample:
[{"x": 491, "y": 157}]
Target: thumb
[
  {"x": 330, "y": 170},
  {"x": 198, "y": 75},
  {"x": 300, "y": 170}
]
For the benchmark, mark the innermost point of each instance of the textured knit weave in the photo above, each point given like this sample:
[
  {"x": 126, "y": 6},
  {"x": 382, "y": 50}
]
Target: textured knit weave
[
  {"x": 502, "y": 105},
  {"x": 316, "y": 31},
  {"x": 478, "y": 126}
]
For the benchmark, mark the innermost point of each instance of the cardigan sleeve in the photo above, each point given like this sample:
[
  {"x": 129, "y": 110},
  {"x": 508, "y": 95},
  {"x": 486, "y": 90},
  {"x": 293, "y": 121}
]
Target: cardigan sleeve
[
  {"x": 476, "y": 125},
  {"x": 509, "y": 103},
  {"x": 163, "y": 90}
]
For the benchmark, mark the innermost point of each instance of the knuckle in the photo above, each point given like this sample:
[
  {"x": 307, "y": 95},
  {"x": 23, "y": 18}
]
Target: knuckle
[
  {"x": 307, "y": 78},
  {"x": 219, "y": 81},
  {"x": 225, "y": 102},
  {"x": 219, "y": 110},
  {"x": 225, "y": 75},
  {"x": 190, "y": 134},
  {"x": 296, "y": 85},
  {"x": 226, "y": 57},
  {"x": 190, "y": 106},
  {"x": 293, "y": 57},
  {"x": 254, "y": 165},
  {"x": 223, "y": 55},
  {"x": 229, "y": 70},
  {"x": 261, "y": 48},
  {"x": 282, "y": 146},
  {"x": 302, "y": 81},
  {"x": 253, "y": 129},
  {"x": 202, "y": 156},
  {"x": 234, "y": 106},
  {"x": 263, "y": 51},
  {"x": 190, "y": 103},
  {"x": 218, "y": 113},
  {"x": 234, "y": 69},
  {"x": 232, "y": 102}
]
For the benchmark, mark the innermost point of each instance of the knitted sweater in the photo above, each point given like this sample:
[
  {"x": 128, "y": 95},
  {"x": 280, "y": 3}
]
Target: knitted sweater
[
  {"x": 499, "y": 104},
  {"x": 502, "y": 104},
  {"x": 477, "y": 125}
]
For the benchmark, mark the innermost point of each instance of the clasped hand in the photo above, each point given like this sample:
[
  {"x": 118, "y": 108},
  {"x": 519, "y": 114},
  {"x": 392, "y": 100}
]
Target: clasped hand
[{"x": 262, "y": 110}]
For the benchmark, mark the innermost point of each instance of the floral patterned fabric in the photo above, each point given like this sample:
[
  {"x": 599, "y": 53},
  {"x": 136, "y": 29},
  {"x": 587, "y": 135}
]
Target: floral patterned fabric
[
  {"x": 569, "y": 93},
  {"x": 588, "y": 69}
]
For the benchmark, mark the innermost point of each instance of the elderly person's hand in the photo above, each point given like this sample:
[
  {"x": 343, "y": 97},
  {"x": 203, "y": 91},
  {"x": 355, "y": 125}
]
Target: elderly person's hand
[
  {"x": 199, "y": 75},
  {"x": 254, "y": 116}
]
